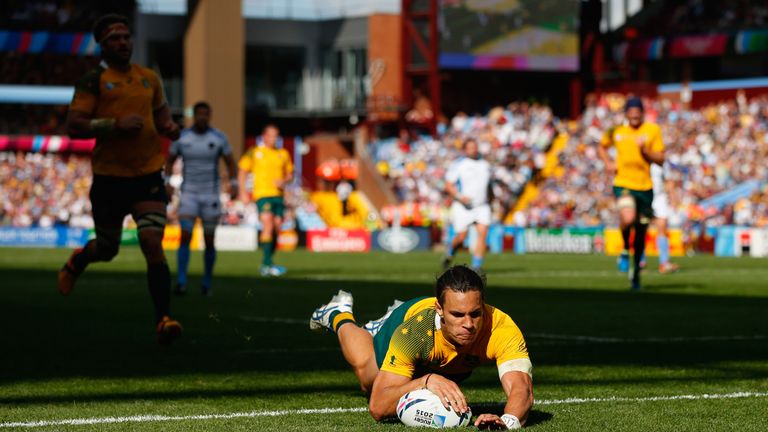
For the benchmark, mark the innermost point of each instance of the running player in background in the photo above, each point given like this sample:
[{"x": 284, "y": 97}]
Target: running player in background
[
  {"x": 272, "y": 171},
  {"x": 638, "y": 144},
  {"x": 200, "y": 147},
  {"x": 468, "y": 183},
  {"x": 123, "y": 106},
  {"x": 660, "y": 216},
  {"x": 434, "y": 343}
]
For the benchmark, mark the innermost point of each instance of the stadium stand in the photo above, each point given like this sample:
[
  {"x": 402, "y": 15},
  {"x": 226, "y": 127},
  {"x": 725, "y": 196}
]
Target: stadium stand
[
  {"x": 709, "y": 151},
  {"x": 515, "y": 139}
]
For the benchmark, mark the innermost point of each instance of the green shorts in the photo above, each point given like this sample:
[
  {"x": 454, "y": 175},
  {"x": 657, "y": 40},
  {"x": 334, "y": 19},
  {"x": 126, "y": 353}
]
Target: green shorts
[
  {"x": 643, "y": 199},
  {"x": 382, "y": 338},
  {"x": 274, "y": 205}
]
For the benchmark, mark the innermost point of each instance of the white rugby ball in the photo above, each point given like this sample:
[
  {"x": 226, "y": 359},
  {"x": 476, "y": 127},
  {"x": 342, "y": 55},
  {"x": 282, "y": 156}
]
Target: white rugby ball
[{"x": 423, "y": 408}]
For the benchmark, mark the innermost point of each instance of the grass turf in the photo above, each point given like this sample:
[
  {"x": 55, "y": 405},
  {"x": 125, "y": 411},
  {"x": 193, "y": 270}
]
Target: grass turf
[{"x": 699, "y": 332}]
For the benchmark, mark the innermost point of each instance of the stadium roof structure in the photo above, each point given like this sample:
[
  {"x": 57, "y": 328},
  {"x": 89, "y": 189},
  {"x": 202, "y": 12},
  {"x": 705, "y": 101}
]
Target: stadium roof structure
[{"x": 300, "y": 10}]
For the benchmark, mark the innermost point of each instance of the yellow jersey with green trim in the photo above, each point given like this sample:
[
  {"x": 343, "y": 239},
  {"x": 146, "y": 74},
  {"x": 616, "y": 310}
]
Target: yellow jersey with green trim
[
  {"x": 418, "y": 346},
  {"x": 104, "y": 92},
  {"x": 632, "y": 170},
  {"x": 268, "y": 166}
]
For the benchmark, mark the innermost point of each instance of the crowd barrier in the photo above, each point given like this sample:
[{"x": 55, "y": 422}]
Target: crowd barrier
[{"x": 726, "y": 241}]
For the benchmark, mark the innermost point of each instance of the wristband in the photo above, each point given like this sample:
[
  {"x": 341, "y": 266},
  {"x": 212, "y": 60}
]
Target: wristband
[
  {"x": 103, "y": 126},
  {"x": 511, "y": 421},
  {"x": 166, "y": 179}
]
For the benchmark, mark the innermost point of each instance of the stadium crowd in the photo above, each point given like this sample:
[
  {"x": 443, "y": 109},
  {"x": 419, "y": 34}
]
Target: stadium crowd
[
  {"x": 706, "y": 16},
  {"x": 44, "y": 190},
  {"x": 514, "y": 139},
  {"x": 709, "y": 150}
]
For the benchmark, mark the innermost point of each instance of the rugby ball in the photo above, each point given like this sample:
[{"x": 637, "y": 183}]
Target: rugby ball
[{"x": 422, "y": 408}]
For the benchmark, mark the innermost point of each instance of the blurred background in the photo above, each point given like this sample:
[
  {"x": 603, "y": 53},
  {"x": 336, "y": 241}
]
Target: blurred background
[{"x": 373, "y": 99}]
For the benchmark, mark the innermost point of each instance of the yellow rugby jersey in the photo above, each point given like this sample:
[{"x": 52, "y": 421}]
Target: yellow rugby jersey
[
  {"x": 104, "y": 92},
  {"x": 632, "y": 170},
  {"x": 267, "y": 165},
  {"x": 418, "y": 345}
]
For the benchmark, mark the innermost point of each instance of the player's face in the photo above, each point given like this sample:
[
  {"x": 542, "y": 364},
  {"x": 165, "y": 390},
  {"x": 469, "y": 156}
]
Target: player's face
[
  {"x": 635, "y": 117},
  {"x": 470, "y": 149},
  {"x": 202, "y": 118},
  {"x": 118, "y": 47},
  {"x": 270, "y": 137},
  {"x": 462, "y": 316}
]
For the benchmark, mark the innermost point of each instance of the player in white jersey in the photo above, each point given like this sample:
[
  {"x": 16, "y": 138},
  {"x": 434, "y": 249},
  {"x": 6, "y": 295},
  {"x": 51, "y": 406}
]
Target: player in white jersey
[
  {"x": 661, "y": 212},
  {"x": 467, "y": 182},
  {"x": 200, "y": 148}
]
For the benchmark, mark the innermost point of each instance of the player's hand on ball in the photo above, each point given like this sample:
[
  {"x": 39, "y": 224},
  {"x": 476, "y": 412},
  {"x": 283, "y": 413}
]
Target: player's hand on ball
[
  {"x": 132, "y": 123},
  {"x": 449, "y": 393}
]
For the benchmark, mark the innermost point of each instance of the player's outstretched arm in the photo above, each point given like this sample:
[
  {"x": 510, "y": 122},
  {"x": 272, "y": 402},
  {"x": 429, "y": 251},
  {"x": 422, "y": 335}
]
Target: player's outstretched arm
[
  {"x": 519, "y": 389},
  {"x": 389, "y": 387}
]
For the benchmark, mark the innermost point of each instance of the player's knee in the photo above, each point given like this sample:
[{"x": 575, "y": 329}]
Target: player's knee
[
  {"x": 187, "y": 225},
  {"x": 106, "y": 250},
  {"x": 209, "y": 228}
]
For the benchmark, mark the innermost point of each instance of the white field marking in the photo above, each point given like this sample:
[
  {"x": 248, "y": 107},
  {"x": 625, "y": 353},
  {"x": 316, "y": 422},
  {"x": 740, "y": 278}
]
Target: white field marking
[
  {"x": 540, "y": 274},
  {"x": 255, "y": 414}
]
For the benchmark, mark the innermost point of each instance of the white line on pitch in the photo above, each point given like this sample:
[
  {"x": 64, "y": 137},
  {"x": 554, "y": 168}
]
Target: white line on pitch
[
  {"x": 535, "y": 274},
  {"x": 255, "y": 414}
]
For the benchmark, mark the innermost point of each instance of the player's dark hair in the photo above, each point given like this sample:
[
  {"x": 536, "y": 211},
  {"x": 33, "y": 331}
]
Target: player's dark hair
[
  {"x": 105, "y": 21},
  {"x": 634, "y": 102},
  {"x": 459, "y": 278},
  {"x": 270, "y": 125},
  {"x": 201, "y": 104}
]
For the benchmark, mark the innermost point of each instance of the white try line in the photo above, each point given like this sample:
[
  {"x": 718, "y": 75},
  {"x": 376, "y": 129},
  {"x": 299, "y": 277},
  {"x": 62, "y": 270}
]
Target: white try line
[
  {"x": 278, "y": 413},
  {"x": 524, "y": 274}
]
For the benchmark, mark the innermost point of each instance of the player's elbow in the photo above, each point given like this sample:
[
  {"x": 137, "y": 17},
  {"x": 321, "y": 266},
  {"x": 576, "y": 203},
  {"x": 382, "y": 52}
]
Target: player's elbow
[{"x": 378, "y": 410}]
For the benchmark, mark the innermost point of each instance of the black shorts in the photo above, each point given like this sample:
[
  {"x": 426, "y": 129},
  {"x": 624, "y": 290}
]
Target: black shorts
[{"x": 113, "y": 197}]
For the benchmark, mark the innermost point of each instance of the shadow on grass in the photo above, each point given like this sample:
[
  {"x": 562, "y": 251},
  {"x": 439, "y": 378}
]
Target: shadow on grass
[{"x": 104, "y": 329}]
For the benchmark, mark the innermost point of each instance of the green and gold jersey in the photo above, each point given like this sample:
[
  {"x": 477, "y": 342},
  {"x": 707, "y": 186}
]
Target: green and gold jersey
[
  {"x": 632, "y": 170},
  {"x": 417, "y": 345},
  {"x": 268, "y": 166},
  {"x": 109, "y": 93}
]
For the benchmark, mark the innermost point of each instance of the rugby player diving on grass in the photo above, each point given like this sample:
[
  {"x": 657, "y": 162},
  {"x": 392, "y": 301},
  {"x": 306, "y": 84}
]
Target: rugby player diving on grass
[{"x": 434, "y": 343}]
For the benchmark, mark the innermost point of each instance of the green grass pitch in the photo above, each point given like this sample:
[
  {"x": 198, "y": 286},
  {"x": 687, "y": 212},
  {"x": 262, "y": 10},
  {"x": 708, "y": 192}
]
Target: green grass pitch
[{"x": 689, "y": 353}]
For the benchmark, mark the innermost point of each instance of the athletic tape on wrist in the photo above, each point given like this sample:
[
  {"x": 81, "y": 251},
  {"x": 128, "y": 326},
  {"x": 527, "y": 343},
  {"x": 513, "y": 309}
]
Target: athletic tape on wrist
[
  {"x": 102, "y": 126},
  {"x": 511, "y": 421}
]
